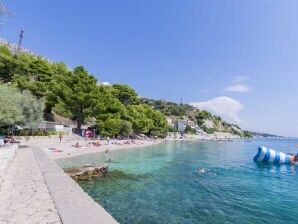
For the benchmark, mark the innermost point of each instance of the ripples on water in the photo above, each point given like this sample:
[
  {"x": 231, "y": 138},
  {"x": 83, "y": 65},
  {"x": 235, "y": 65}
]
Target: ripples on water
[{"x": 161, "y": 184}]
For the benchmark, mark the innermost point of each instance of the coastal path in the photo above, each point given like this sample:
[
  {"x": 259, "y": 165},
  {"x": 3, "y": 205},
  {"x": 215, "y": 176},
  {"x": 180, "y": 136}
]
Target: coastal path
[
  {"x": 36, "y": 191},
  {"x": 24, "y": 195}
]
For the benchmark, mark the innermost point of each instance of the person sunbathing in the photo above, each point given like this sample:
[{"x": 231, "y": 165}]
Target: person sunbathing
[
  {"x": 95, "y": 144},
  {"x": 10, "y": 140},
  {"x": 7, "y": 140},
  {"x": 77, "y": 145}
]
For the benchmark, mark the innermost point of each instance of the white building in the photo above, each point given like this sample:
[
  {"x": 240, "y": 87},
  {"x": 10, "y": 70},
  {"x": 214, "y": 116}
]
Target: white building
[
  {"x": 55, "y": 126},
  {"x": 170, "y": 122}
]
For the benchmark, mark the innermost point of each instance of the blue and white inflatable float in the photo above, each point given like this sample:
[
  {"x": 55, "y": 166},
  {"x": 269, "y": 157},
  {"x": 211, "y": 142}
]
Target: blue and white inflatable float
[{"x": 271, "y": 156}]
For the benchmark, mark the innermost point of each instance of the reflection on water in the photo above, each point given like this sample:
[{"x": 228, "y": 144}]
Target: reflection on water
[
  {"x": 276, "y": 168},
  {"x": 162, "y": 184}
]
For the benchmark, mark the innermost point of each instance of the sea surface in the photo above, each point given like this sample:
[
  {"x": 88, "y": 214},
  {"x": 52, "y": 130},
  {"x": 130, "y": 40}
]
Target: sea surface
[{"x": 162, "y": 183}]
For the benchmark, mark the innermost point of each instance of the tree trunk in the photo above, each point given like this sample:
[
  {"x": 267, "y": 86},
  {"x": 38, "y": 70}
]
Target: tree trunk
[{"x": 79, "y": 125}]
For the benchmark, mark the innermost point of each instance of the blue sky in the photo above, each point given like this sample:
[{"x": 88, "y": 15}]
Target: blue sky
[{"x": 237, "y": 58}]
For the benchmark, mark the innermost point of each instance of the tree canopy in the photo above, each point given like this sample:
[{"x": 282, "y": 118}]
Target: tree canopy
[
  {"x": 19, "y": 108},
  {"x": 125, "y": 94},
  {"x": 76, "y": 95}
]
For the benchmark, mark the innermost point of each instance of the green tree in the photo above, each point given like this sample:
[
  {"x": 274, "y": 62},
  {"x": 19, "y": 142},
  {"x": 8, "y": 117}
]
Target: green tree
[
  {"x": 7, "y": 65},
  {"x": 109, "y": 113},
  {"x": 125, "y": 94},
  {"x": 77, "y": 93},
  {"x": 32, "y": 109},
  {"x": 147, "y": 121},
  {"x": 189, "y": 130},
  {"x": 236, "y": 132},
  {"x": 247, "y": 134},
  {"x": 108, "y": 106},
  {"x": 202, "y": 116},
  {"x": 225, "y": 126},
  {"x": 60, "y": 73},
  {"x": 126, "y": 128},
  {"x": 160, "y": 125},
  {"x": 110, "y": 127},
  {"x": 41, "y": 76},
  {"x": 22, "y": 76},
  {"x": 209, "y": 130},
  {"x": 167, "y": 108},
  {"x": 10, "y": 110},
  {"x": 19, "y": 108},
  {"x": 137, "y": 116}
]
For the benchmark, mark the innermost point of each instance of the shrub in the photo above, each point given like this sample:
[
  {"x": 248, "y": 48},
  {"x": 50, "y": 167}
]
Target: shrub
[{"x": 209, "y": 130}]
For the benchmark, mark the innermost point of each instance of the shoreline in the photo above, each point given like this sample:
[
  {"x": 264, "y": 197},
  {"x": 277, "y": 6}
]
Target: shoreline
[
  {"x": 68, "y": 151},
  {"x": 65, "y": 148}
]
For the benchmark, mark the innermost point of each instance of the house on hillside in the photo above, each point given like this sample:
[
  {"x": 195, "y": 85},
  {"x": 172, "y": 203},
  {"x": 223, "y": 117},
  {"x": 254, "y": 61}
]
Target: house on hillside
[
  {"x": 170, "y": 122},
  {"x": 182, "y": 124}
]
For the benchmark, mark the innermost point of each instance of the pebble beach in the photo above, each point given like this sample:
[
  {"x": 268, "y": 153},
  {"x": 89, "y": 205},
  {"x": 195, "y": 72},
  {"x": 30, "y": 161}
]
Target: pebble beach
[{"x": 55, "y": 149}]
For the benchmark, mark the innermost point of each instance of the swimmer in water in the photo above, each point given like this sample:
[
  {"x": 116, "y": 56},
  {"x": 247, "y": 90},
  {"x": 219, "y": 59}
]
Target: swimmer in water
[{"x": 202, "y": 170}]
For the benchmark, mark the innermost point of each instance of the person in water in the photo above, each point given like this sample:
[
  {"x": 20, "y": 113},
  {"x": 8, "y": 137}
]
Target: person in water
[
  {"x": 202, "y": 170},
  {"x": 296, "y": 158}
]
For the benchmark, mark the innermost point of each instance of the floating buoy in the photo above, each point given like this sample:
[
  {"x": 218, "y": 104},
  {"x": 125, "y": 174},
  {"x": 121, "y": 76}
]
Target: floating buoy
[{"x": 272, "y": 156}]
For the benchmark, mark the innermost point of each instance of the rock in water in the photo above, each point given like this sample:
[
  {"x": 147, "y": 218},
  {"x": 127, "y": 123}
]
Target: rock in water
[{"x": 87, "y": 171}]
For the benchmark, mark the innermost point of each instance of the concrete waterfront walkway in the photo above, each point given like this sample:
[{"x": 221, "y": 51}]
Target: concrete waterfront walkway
[
  {"x": 24, "y": 196},
  {"x": 7, "y": 154},
  {"x": 36, "y": 190}
]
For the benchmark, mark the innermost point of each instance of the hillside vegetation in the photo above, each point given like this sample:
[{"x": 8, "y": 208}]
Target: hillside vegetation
[
  {"x": 199, "y": 119},
  {"x": 76, "y": 94}
]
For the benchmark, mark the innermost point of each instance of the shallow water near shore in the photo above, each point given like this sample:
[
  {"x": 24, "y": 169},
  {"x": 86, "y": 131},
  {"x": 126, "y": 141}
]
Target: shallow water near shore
[{"x": 162, "y": 183}]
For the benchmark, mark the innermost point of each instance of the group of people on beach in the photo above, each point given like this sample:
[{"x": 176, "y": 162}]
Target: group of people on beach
[{"x": 94, "y": 144}]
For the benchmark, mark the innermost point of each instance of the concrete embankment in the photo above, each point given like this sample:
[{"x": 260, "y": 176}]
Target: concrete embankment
[
  {"x": 36, "y": 190},
  {"x": 24, "y": 196},
  {"x": 6, "y": 157}
]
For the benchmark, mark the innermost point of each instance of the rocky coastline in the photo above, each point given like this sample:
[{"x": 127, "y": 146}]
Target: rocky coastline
[{"x": 86, "y": 171}]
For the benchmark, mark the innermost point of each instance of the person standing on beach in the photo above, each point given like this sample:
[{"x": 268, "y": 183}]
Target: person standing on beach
[
  {"x": 10, "y": 133},
  {"x": 60, "y": 135}
]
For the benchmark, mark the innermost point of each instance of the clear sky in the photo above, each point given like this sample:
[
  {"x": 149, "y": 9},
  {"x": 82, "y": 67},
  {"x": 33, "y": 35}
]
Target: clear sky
[{"x": 237, "y": 58}]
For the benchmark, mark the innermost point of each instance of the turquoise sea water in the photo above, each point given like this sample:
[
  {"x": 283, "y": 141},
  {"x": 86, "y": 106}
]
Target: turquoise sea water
[{"x": 161, "y": 184}]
